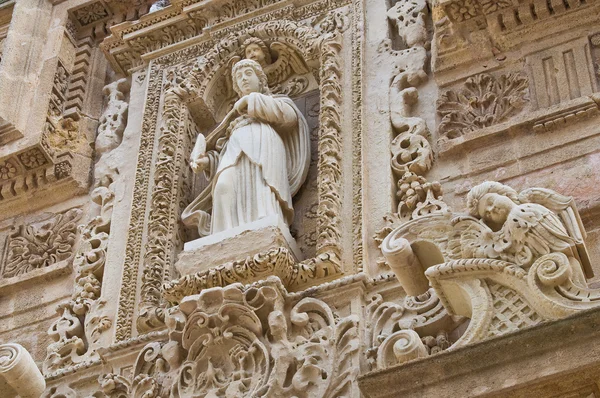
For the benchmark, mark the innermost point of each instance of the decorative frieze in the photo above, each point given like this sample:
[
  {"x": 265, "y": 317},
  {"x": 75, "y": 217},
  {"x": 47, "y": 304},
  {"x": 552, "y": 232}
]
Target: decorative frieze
[{"x": 182, "y": 21}]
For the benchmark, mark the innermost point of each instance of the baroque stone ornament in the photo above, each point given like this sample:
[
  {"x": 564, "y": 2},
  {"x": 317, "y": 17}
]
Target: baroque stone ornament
[
  {"x": 409, "y": 18},
  {"x": 484, "y": 100},
  {"x": 83, "y": 318},
  {"x": 19, "y": 376},
  {"x": 517, "y": 260},
  {"x": 190, "y": 87},
  {"x": 41, "y": 244},
  {"x": 253, "y": 341}
]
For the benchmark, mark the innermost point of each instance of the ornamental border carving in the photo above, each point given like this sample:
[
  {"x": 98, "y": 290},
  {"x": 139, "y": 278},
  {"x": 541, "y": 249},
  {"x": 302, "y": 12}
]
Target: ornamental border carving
[
  {"x": 357, "y": 170},
  {"x": 158, "y": 186}
]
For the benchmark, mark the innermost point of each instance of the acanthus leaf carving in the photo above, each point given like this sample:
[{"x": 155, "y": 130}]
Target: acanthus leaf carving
[{"x": 484, "y": 100}]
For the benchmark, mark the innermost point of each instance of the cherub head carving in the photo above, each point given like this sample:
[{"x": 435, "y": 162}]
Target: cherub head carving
[
  {"x": 492, "y": 202},
  {"x": 256, "y": 50},
  {"x": 248, "y": 77}
]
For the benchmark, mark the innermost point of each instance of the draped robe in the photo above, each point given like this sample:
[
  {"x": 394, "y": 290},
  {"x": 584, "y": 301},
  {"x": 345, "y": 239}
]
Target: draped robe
[{"x": 263, "y": 164}]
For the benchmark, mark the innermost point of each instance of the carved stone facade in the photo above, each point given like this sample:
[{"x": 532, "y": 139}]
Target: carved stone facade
[{"x": 440, "y": 236}]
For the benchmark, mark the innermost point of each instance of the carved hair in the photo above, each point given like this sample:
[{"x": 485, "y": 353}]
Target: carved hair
[
  {"x": 479, "y": 191},
  {"x": 262, "y": 78},
  {"x": 261, "y": 44}
]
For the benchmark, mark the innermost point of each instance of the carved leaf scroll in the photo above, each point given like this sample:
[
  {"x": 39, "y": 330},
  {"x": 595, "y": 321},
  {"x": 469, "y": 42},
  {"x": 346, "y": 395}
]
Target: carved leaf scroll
[{"x": 483, "y": 101}]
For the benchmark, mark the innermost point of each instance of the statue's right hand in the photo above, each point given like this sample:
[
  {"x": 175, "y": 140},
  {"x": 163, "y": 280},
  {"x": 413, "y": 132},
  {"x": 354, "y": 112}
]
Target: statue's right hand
[{"x": 200, "y": 164}]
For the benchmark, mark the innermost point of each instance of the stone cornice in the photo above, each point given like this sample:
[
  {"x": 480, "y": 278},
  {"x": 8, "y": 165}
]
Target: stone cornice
[
  {"x": 133, "y": 44},
  {"x": 475, "y": 32}
]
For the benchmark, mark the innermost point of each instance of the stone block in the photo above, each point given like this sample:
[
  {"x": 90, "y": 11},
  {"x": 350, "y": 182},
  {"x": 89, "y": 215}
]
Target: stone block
[{"x": 236, "y": 244}]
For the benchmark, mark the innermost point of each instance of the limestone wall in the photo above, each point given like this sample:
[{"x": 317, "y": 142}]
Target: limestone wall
[{"x": 410, "y": 105}]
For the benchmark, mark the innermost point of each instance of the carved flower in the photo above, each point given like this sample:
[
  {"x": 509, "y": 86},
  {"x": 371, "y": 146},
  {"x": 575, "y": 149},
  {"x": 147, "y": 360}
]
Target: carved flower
[
  {"x": 90, "y": 14},
  {"x": 7, "y": 170},
  {"x": 32, "y": 158},
  {"x": 41, "y": 245},
  {"x": 595, "y": 40}
]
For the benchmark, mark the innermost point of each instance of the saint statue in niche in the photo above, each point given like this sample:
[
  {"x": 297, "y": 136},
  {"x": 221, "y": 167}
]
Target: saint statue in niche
[{"x": 256, "y": 158}]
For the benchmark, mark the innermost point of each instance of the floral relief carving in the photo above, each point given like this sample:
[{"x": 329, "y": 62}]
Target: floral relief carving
[
  {"x": 41, "y": 244},
  {"x": 32, "y": 158},
  {"x": 8, "y": 170},
  {"x": 91, "y": 13},
  {"x": 279, "y": 262},
  {"x": 483, "y": 101}
]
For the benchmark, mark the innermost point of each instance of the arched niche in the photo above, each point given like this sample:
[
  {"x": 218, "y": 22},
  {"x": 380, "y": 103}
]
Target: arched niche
[{"x": 185, "y": 108}]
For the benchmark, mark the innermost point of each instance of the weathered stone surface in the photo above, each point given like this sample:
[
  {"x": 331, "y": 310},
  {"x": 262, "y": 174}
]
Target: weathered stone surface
[{"x": 382, "y": 125}]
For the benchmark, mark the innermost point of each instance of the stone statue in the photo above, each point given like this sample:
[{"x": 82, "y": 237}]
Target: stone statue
[
  {"x": 256, "y": 50},
  {"x": 256, "y": 159},
  {"x": 511, "y": 226},
  {"x": 277, "y": 60}
]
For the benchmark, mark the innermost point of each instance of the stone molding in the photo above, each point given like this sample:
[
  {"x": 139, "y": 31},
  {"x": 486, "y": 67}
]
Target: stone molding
[
  {"x": 186, "y": 22},
  {"x": 513, "y": 365}
]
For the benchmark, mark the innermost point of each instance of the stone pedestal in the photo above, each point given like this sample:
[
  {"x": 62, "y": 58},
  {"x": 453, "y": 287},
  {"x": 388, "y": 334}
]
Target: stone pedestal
[
  {"x": 244, "y": 254},
  {"x": 236, "y": 244}
]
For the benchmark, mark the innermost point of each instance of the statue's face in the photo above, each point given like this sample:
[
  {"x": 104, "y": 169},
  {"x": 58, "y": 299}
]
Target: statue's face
[
  {"x": 255, "y": 53},
  {"x": 494, "y": 208},
  {"x": 247, "y": 80}
]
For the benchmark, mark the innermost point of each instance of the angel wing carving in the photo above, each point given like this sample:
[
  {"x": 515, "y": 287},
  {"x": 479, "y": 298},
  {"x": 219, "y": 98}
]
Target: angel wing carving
[
  {"x": 471, "y": 238},
  {"x": 288, "y": 62}
]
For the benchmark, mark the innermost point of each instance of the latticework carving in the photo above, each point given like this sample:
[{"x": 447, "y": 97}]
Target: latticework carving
[{"x": 511, "y": 312}]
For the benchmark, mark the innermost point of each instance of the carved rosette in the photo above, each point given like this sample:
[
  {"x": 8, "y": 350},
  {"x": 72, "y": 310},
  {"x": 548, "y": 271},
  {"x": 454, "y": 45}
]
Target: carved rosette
[{"x": 42, "y": 244}]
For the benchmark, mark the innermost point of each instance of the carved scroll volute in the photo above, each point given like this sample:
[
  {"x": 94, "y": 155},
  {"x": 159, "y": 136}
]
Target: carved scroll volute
[
  {"x": 19, "y": 375},
  {"x": 405, "y": 264}
]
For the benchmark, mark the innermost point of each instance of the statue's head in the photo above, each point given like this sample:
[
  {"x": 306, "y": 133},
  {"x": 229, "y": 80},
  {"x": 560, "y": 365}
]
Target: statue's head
[
  {"x": 492, "y": 201},
  {"x": 256, "y": 50},
  {"x": 248, "y": 77}
]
